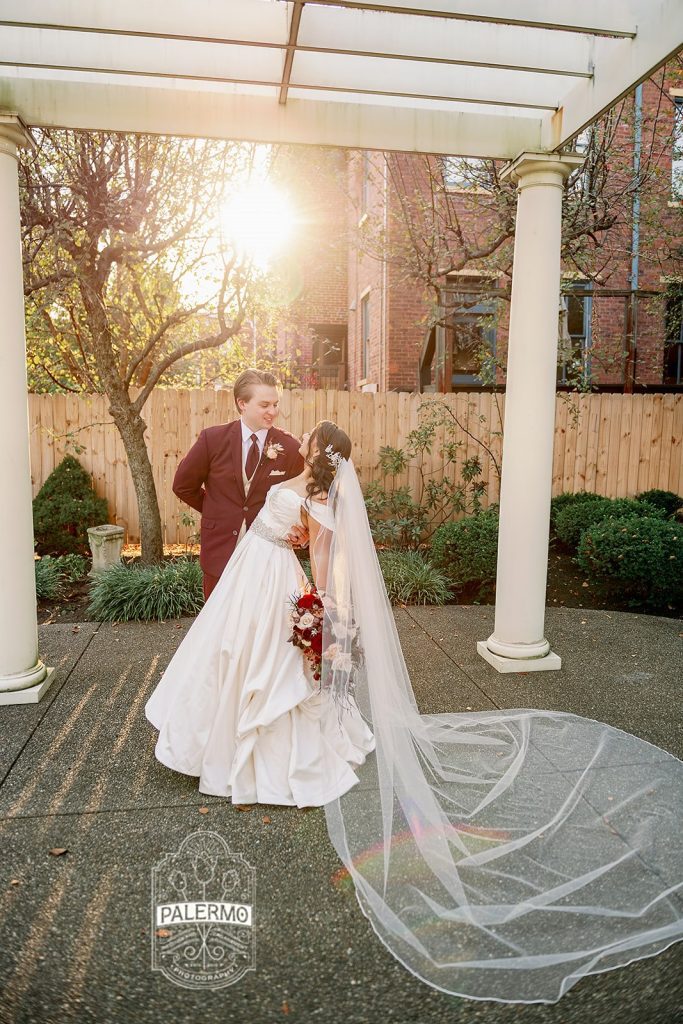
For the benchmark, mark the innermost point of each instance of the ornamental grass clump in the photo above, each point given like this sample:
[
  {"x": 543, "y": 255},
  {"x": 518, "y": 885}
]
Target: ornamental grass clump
[
  {"x": 53, "y": 574},
  {"x": 410, "y": 578},
  {"x": 50, "y": 579},
  {"x": 130, "y": 592}
]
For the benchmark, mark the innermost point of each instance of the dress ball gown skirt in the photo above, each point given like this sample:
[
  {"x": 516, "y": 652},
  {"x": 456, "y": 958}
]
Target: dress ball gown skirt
[{"x": 236, "y": 706}]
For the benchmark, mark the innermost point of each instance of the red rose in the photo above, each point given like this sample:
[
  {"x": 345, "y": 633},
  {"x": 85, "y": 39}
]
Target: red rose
[
  {"x": 306, "y": 601},
  {"x": 317, "y": 643}
]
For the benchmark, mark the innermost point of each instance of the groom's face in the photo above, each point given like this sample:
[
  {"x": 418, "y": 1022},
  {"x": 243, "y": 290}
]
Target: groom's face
[{"x": 262, "y": 408}]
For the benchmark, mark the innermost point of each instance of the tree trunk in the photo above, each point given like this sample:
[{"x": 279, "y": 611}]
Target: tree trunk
[{"x": 132, "y": 428}]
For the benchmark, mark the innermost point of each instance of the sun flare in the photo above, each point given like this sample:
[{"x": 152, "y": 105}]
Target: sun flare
[{"x": 258, "y": 221}]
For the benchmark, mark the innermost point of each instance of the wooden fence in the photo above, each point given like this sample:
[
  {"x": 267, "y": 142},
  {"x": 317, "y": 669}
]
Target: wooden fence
[{"x": 616, "y": 445}]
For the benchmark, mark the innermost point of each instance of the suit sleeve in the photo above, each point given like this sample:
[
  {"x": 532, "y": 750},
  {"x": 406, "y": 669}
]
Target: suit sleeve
[
  {"x": 191, "y": 473},
  {"x": 295, "y": 463}
]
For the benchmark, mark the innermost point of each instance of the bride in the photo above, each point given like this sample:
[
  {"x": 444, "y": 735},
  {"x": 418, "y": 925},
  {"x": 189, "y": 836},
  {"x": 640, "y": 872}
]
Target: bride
[
  {"x": 236, "y": 705},
  {"x": 498, "y": 855}
]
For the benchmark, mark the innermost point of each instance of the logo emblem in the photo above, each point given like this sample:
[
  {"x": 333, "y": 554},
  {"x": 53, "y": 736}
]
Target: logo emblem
[{"x": 202, "y": 914}]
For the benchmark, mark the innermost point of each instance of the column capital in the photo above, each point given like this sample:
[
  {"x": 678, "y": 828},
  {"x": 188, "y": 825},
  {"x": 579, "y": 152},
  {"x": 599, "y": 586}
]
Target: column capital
[
  {"x": 541, "y": 168},
  {"x": 14, "y": 134}
]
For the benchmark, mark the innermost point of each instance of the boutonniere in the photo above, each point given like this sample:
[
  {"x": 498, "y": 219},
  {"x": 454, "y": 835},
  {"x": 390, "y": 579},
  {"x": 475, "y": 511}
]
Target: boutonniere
[{"x": 273, "y": 450}]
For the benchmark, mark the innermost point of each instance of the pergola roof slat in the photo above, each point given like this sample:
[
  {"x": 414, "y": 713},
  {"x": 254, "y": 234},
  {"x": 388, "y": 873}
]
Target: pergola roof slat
[{"x": 447, "y": 40}]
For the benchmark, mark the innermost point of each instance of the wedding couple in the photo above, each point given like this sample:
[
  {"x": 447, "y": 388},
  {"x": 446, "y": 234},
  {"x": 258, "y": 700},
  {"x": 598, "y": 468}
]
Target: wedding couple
[
  {"x": 498, "y": 854},
  {"x": 237, "y": 705}
]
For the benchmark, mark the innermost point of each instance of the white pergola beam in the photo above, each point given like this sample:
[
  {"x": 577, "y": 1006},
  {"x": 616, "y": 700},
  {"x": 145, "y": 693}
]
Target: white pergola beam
[
  {"x": 618, "y": 69},
  {"x": 173, "y": 58},
  {"x": 73, "y": 100}
]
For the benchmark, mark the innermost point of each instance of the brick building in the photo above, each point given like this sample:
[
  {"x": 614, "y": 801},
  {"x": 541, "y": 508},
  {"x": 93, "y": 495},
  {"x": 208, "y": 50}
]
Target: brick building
[{"x": 395, "y": 323}]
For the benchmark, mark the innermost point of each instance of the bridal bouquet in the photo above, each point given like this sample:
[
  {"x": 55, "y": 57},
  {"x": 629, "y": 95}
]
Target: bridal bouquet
[
  {"x": 307, "y": 627},
  {"x": 341, "y": 658}
]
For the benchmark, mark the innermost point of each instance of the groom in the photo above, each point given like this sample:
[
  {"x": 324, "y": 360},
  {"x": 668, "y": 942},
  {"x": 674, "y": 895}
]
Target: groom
[{"x": 229, "y": 469}]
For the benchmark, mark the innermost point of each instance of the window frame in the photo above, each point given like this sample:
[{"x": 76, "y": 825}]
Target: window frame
[{"x": 485, "y": 288}]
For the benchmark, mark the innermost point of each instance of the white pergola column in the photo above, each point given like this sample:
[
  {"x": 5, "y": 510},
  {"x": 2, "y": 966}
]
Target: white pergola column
[
  {"x": 23, "y": 677},
  {"x": 517, "y": 643}
]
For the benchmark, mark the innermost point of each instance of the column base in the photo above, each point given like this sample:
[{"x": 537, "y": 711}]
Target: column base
[
  {"x": 549, "y": 661},
  {"x": 28, "y": 694}
]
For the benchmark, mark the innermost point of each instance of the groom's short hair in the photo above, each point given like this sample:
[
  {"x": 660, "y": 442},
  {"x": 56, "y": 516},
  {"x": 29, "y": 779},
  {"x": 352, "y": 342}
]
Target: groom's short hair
[{"x": 248, "y": 379}]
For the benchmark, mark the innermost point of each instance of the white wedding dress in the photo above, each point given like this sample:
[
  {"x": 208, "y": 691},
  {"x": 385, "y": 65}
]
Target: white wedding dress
[{"x": 237, "y": 705}]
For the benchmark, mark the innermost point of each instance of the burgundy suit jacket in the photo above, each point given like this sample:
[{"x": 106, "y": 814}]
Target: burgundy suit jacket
[{"x": 209, "y": 479}]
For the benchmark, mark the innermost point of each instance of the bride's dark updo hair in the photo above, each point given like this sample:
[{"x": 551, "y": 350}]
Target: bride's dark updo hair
[{"x": 325, "y": 433}]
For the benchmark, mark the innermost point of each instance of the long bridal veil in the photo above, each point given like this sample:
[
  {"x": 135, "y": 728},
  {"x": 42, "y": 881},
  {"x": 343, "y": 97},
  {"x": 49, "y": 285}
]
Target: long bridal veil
[{"x": 501, "y": 854}]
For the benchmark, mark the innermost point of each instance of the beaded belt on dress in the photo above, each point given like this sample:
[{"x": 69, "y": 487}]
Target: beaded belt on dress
[{"x": 259, "y": 527}]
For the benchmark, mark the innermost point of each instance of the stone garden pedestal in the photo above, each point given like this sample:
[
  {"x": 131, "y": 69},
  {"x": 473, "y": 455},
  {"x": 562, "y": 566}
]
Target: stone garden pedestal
[{"x": 105, "y": 543}]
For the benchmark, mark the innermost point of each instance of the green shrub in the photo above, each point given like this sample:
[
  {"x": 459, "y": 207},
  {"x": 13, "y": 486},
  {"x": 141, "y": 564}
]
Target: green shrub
[
  {"x": 411, "y": 579},
  {"x": 667, "y": 500},
  {"x": 64, "y": 508},
  {"x": 130, "y": 592},
  {"x": 53, "y": 574},
  {"x": 74, "y": 567},
  {"x": 50, "y": 579},
  {"x": 561, "y": 501},
  {"x": 467, "y": 549},
  {"x": 405, "y": 517},
  {"x": 642, "y": 556},
  {"x": 577, "y": 516},
  {"x": 394, "y": 517}
]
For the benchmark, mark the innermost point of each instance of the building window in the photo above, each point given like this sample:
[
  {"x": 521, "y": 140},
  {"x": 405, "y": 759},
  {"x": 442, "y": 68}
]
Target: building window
[
  {"x": 575, "y": 334},
  {"x": 471, "y": 320},
  {"x": 677, "y": 152},
  {"x": 328, "y": 354},
  {"x": 463, "y": 172},
  {"x": 364, "y": 335},
  {"x": 364, "y": 182},
  {"x": 673, "y": 344},
  {"x": 329, "y": 344}
]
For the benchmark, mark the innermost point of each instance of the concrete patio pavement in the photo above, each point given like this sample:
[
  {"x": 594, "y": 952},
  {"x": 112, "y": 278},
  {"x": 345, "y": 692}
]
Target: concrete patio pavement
[{"x": 78, "y": 772}]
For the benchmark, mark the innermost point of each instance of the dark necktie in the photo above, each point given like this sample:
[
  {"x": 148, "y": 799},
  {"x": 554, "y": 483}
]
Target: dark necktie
[{"x": 252, "y": 457}]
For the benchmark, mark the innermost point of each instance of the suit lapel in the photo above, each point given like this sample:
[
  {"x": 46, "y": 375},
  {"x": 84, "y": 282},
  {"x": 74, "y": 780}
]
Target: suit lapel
[{"x": 237, "y": 455}]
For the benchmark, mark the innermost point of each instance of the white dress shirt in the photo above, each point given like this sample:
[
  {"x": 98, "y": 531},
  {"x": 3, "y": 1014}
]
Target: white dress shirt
[{"x": 246, "y": 441}]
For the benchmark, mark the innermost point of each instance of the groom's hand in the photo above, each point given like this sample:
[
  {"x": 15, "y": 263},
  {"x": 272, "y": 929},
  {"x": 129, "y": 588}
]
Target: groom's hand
[{"x": 298, "y": 537}]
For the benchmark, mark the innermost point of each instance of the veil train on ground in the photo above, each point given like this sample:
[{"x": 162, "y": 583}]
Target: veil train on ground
[{"x": 500, "y": 855}]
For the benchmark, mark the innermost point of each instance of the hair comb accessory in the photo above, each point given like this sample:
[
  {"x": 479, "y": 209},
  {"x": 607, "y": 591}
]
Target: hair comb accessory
[{"x": 336, "y": 458}]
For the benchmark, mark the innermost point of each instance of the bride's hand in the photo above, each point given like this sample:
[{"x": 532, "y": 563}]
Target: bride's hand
[{"x": 298, "y": 536}]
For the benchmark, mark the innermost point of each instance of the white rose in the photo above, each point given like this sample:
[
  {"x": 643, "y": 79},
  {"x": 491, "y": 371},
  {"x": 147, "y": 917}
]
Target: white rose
[{"x": 306, "y": 620}]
